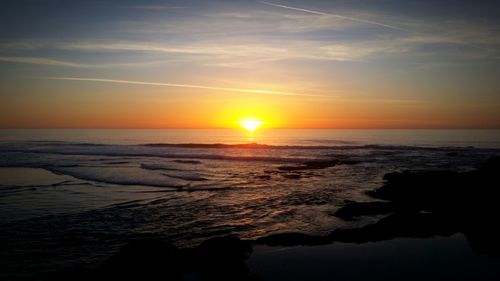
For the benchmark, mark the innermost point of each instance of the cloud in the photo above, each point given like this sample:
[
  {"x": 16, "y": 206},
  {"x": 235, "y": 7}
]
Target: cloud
[
  {"x": 197, "y": 48},
  {"x": 251, "y": 51},
  {"x": 225, "y": 52},
  {"x": 154, "y": 7},
  {"x": 245, "y": 38},
  {"x": 203, "y": 87},
  {"x": 359, "y": 20},
  {"x": 43, "y": 61},
  {"x": 55, "y": 62}
]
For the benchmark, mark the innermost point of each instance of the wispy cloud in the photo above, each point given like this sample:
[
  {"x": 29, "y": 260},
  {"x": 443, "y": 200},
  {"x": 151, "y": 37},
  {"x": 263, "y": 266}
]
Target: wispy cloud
[
  {"x": 321, "y": 13},
  {"x": 196, "y": 48},
  {"x": 56, "y": 62},
  {"x": 244, "y": 39},
  {"x": 203, "y": 87},
  {"x": 43, "y": 61},
  {"x": 154, "y": 7},
  {"x": 251, "y": 52},
  {"x": 227, "y": 51}
]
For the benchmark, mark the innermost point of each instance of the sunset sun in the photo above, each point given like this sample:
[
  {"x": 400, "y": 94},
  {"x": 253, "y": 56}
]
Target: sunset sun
[{"x": 251, "y": 124}]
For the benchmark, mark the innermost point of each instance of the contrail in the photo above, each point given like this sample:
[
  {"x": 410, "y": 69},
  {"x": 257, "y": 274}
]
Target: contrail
[
  {"x": 369, "y": 22},
  {"x": 43, "y": 61},
  {"x": 334, "y": 15},
  {"x": 184, "y": 86}
]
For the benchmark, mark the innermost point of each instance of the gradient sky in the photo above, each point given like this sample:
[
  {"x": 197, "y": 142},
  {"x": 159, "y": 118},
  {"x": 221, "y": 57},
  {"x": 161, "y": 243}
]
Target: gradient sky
[{"x": 209, "y": 64}]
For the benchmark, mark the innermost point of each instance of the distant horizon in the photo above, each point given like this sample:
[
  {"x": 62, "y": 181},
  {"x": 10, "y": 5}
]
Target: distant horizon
[{"x": 237, "y": 128}]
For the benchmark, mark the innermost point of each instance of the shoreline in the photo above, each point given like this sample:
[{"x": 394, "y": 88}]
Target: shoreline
[
  {"x": 408, "y": 208},
  {"x": 421, "y": 238}
]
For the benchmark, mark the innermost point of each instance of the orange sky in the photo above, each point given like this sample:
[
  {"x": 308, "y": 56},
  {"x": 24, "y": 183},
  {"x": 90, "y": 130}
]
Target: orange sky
[
  {"x": 147, "y": 107},
  {"x": 211, "y": 64}
]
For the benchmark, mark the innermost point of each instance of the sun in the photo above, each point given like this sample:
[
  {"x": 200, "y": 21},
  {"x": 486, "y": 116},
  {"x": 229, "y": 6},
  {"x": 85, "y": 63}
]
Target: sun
[{"x": 251, "y": 124}]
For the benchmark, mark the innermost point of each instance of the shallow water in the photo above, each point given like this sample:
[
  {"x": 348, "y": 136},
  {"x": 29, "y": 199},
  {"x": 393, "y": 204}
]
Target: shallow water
[
  {"x": 75, "y": 196},
  {"x": 439, "y": 258}
]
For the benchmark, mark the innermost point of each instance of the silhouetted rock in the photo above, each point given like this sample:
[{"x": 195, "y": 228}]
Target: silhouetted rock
[
  {"x": 293, "y": 239},
  {"x": 74, "y": 274},
  {"x": 356, "y": 209},
  {"x": 144, "y": 260},
  {"x": 220, "y": 258},
  {"x": 223, "y": 258},
  {"x": 400, "y": 224},
  {"x": 422, "y": 204},
  {"x": 427, "y": 203}
]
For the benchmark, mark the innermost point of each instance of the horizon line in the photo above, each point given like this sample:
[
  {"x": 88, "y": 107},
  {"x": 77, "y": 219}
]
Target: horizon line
[{"x": 238, "y": 128}]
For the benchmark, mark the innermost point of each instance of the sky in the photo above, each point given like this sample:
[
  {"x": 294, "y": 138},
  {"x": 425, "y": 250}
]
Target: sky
[{"x": 211, "y": 64}]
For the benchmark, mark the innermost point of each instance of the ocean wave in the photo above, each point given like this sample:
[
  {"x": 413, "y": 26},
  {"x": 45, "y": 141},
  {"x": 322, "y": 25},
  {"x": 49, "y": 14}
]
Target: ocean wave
[
  {"x": 214, "y": 151},
  {"x": 128, "y": 151},
  {"x": 295, "y": 147},
  {"x": 253, "y": 145},
  {"x": 343, "y": 145},
  {"x": 189, "y": 177},
  {"x": 160, "y": 167},
  {"x": 119, "y": 176},
  {"x": 69, "y": 154}
]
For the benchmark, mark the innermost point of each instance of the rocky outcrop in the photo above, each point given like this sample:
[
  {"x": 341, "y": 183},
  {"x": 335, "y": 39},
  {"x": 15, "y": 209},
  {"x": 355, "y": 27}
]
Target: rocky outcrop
[{"x": 428, "y": 203}]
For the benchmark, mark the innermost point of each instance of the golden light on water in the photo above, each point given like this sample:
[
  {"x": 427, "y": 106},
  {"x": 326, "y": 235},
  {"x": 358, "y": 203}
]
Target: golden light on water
[{"x": 251, "y": 124}]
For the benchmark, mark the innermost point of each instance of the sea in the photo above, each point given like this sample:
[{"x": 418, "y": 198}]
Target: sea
[{"x": 72, "y": 198}]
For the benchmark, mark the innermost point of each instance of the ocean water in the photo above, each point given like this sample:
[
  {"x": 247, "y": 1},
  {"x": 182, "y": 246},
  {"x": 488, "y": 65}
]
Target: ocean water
[{"x": 73, "y": 197}]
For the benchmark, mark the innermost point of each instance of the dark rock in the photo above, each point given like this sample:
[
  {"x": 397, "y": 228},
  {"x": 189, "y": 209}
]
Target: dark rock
[
  {"x": 410, "y": 224},
  {"x": 293, "y": 239},
  {"x": 356, "y": 209},
  {"x": 75, "y": 274},
  {"x": 427, "y": 203},
  {"x": 419, "y": 187},
  {"x": 222, "y": 258},
  {"x": 144, "y": 260},
  {"x": 422, "y": 204}
]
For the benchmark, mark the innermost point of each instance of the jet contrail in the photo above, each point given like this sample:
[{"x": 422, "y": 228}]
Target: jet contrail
[
  {"x": 368, "y": 22},
  {"x": 184, "y": 86},
  {"x": 43, "y": 61},
  {"x": 333, "y": 15}
]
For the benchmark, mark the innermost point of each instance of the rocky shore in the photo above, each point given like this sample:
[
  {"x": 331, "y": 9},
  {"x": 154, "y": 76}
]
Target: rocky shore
[{"x": 417, "y": 204}]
